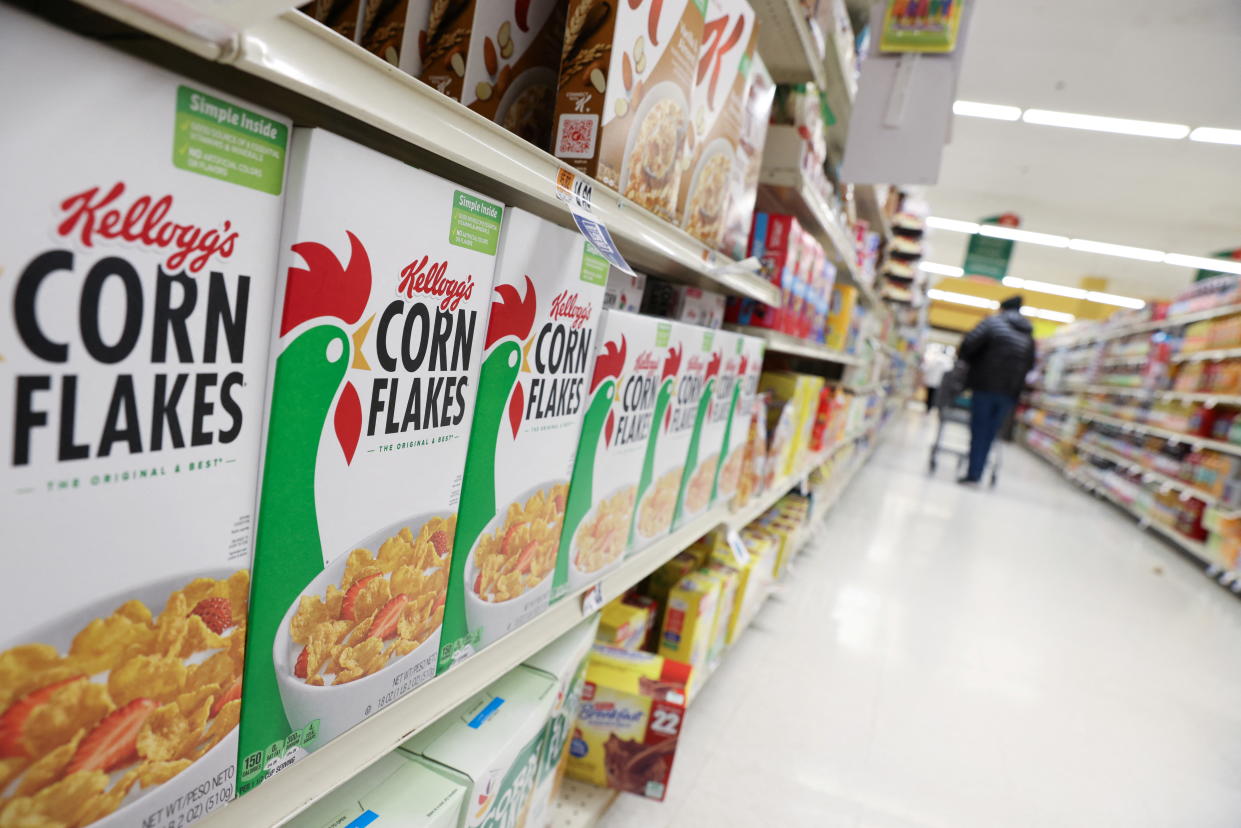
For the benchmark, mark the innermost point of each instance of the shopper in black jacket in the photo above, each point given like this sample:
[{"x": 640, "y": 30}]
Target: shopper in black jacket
[{"x": 1000, "y": 352}]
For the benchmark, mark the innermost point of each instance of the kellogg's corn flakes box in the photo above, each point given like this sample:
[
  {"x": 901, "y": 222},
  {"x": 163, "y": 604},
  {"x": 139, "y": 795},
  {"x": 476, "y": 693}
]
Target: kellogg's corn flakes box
[
  {"x": 397, "y": 791},
  {"x": 538, "y": 354},
  {"x": 627, "y": 386},
  {"x": 746, "y": 363},
  {"x": 711, "y": 420},
  {"x": 137, "y": 255},
  {"x": 386, "y": 273},
  {"x": 678, "y": 410}
]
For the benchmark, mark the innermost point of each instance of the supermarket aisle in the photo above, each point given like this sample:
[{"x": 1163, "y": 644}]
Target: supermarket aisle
[{"x": 958, "y": 658}]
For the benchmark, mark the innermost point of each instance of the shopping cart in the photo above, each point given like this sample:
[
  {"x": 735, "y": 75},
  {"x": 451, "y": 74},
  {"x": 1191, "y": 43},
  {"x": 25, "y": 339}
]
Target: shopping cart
[{"x": 952, "y": 402}]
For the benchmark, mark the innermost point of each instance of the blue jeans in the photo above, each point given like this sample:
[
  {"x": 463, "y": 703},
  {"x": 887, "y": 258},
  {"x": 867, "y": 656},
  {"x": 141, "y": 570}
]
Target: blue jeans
[{"x": 988, "y": 410}]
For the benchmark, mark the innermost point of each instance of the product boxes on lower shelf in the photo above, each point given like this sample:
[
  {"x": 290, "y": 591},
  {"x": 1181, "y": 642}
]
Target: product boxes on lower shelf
[
  {"x": 395, "y": 792},
  {"x": 491, "y": 745},
  {"x": 139, "y": 229},
  {"x": 382, "y": 314},
  {"x": 690, "y": 615},
  {"x": 538, "y": 356},
  {"x": 633, "y": 707},
  {"x": 623, "y": 390}
]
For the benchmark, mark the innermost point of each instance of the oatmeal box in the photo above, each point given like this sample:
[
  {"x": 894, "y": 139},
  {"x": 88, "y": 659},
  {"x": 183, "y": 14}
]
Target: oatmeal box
[
  {"x": 677, "y": 408},
  {"x": 137, "y": 256},
  {"x": 538, "y": 353},
  {"x": 714, "y": 153},
  {"x": 626, "y": 84},
  {"x": 382, "y": 313},
  {"x": 631, "y": 361}
]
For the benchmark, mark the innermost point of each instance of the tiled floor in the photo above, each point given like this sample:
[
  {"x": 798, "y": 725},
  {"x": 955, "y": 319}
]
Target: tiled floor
[{"x": 954, "y": 657}]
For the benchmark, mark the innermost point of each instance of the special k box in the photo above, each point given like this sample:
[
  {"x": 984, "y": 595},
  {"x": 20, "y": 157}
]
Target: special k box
[
  {"x": 747, "y": 355},
  {"x": 385, "y": 275},
  {"x": 429, "y": 39},
  {"x": 137, "y": 259},
  {"x": 677, "y": 410},
  {"x": 702, "y": 458},
  {"x": 716, "y": 156},
  {"x": 538, "y": 353},
  {"x": 624, "y": 391},
  {"x": 623, "y": 103}
]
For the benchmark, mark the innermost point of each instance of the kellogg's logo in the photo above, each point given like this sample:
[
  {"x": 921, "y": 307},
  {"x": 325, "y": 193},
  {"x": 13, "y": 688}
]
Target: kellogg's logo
[
  {"x": 565, "y": 306},
  {"x": 646, "y": 361},
  {"x": 418, "y": 278},
  {"x": 144, "y": 221}
]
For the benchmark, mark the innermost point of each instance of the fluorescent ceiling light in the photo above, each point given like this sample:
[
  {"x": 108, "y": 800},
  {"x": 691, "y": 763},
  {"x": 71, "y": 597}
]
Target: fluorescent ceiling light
[
  {"x": 1212, "y": 135},
  {"x": 1049, "y": 315},
  {"x": 996, "y": 112},
  {"x": 1049, "y": 287},
  {"x": 999, "y": 231},
  {"x": 1113, "y": 299},
  {"x": 1203, "y": 263},
  {"x": 962, "y": 299},
  {"x": 1144, "y": 254},
  {"x": 1099, "y": 123},
  {"x": 942, "y": 269},
  {"x": 951, "y": 224}
]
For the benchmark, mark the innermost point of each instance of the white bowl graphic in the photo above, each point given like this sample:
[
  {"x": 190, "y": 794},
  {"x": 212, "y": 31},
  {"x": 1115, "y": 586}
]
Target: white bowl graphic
[
  {"x": 641, "y": 539},
  {"x": 719, "y": 146},
  {"x": 579, "y": 578},
  {"x": 60, "y": 632},
  {"x": 664, "y": 91},
  {"x": 340, "y": 707},
  {"x": 494, "y": 619},
  {"x": 706, "y": 466}
]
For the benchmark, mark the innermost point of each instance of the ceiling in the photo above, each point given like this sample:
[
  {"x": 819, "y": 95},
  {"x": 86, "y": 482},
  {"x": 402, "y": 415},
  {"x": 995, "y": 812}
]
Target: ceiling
[{"x": 1177, "y": 61}]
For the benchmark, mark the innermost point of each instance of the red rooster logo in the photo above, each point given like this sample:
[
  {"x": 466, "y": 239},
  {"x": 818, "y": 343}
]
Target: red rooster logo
[{"x": 512, "y": 315}]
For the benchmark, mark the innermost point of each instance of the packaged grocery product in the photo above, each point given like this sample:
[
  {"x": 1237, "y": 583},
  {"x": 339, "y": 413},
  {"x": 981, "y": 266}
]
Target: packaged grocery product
[
  {"x": 730, "y": 582},
  {"x": 394, "y": 791},
  {"x": 380, "y": 317},
  {"x": 623, "y": 103},
  {"x": 754, "y": 461},
  {"x": 776, "y": 241},
  {"x": 684, "y": 303},
  {"x": 781, "y": 424},
  {"x": 563, "y": 661},
  {"x": 510, "y": 72},
  {"x": 139, "y": 254},
  {"x": 688, "y": 627},
  {"x": 729, "y": 40},
  {"x": 624, "y": 292},
  {"x": 429, "y": 39},
  {"x": 840, "y": 317},
  {"x": 748, "y": 355},
  {"x": 743, "y": 183},
  {"x": 341, "y": 15},
  {"x": 624, "y": 625},
  {"x": 801, "y": 391},
  {"x": 491, "y": 744},
  {"x": 679, "y": 409},
  {"x": 633, "y": 706},
  {"x": 753, "y": 579},
  {"x": 537, "y": 359},
  {"x": 623, "y": 393},
  {"x": 702, "y": 461}
]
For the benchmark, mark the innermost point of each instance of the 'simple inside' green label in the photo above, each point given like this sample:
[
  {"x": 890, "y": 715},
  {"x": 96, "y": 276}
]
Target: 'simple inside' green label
[
  {"x": 221, "y": 140},
  {"x": 594, "y": 266},
  {"x": 475, "y": 223},
  {"x": 662, "y": 334}
]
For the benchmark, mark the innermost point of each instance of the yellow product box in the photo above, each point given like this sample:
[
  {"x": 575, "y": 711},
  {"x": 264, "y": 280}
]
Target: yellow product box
[
  {"x": 764, "y": 544},
  {"x": 802, "y": 392},
  {"x": 633, "y": 704},
  {"x": 689, "y": 620},
  {"x": 730, "y": 583},
  {"x": 750, "y": 586},
  {"x": 840, "y": 316},
  {"x": 623, "y": 626},
  {"x": 786, "y": 532}
]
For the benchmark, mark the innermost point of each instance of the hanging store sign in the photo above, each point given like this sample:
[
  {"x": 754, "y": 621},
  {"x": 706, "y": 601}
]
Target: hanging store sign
[{"x": 988, "y": 256}]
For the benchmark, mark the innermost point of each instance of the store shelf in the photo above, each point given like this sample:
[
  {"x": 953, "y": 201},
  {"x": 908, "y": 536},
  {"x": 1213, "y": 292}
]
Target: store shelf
[
  {"x": 1172, "y": 436},
  {"x": 786, "y": 43},
  {"x": 580, "y": 805},
  {"x": 1136, "y": 359},
  {"x": 1193, "y": 547},
  {"x": 870, "y": 209},
  {"x": 1147, "y": 474},
  {"x": 1213, "y": 355},
  {"x": 784, "y": 190},
  {"x": 1046, "y": 430},
  {"x": 1150, "y": 325},
  {"x": 1114, "y": 389},
  {"x": 1211, "y": 399},
  {"x": 784, "y": 344}
]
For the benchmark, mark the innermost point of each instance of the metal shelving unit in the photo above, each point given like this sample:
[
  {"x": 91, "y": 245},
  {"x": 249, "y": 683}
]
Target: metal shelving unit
[
  {"x": 784, "y": 344},
  {"x": 1173, "y": 436},
  {"x": 783, "y": 24}
]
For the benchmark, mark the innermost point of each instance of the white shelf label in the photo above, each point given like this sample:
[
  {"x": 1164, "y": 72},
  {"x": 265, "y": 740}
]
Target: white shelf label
[
  {"x": 593, "y": 599},
  {"x": 741, "y": 553}
]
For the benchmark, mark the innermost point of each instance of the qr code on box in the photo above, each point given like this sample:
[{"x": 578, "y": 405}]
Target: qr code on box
[{"x": 575, "y": 136}]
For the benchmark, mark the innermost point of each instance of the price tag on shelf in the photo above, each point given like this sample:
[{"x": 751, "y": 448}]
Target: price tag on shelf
[
  {"x": 741, "y": 553},
  {"x": 578, "y": 193},
  {"x": 593, "y": 599}
]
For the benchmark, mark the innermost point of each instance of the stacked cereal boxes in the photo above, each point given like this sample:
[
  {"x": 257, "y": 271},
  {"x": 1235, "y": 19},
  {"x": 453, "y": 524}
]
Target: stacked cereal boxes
[
  {"x": 746, "y": 363},
  {"x": 840, "y": 317},
  {"x": 538, "y": 354},
  {"x": 429, "y": 39},
  {"x": 711, "y": 421},
  {"x": 375, "y": 370},
  {"x": 624, "y": 389},
  {"x": 623, "y": 103},
  {"x": 138, "y": 287},
  {"x": 715, "y": 156},
  {"x": 743, "y": 185},
  {"x": 396, "y": 790},
  {"x": 800, "y": 393}
]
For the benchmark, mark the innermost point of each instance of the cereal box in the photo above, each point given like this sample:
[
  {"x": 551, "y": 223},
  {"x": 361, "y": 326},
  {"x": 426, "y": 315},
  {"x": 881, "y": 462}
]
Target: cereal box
[
  {"x": 491, "y": 744},
  {"x": 626, "y": 81},
  {"x": 429, "y": 39},
  {"x": 624, "y": 625},
  {"x": 677, "y": 412},
  {"x": 633, "y": 706},
  {"x": 138, "y": 232},
  {"x": 747, "y": 354},
  {"x": 743, "y": 183},
  {"x": 510, "y": 74},
  {"x": 396, "y": 791},
  {"x": 624, "y": 392},
  {"x": 341, "y": 15},
  {"x": 564, "y": 661},
  {"x": 702, "y": 458},
  {"x": 538, "y": 354},
  {"x": 840, "y": 316},
  {"x": 624, "y": 292},
  {"x": 715, "y": 155},
  {"x": 688, "y": 629},
  {"x": 382, "y": 313}
]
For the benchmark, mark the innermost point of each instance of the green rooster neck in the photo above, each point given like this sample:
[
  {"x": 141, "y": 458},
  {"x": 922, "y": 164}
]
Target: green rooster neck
[
  {"x": 691, "y": 457},
  {"x": 648, "y": 463},
  {"x": 728, "y": 438},
  {"x": 581, "y": 486}
]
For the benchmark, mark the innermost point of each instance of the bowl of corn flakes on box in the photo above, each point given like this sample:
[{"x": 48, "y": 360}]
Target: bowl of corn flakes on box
[
  {"x": 118, "y": 698},
  {"x": 508, "y": 572},
  {"x": 602, "y": 536},
  {"x": 369, "y": 615}
]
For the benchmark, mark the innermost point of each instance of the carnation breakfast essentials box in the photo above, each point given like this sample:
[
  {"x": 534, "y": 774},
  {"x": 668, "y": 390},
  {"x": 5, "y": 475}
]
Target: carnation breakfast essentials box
[
  {"x": 138, "y": 263},
  {"x": 676, "y": 414},
  {"x": 386, "y": 273},
  {"x": 538, "y": 353}
]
